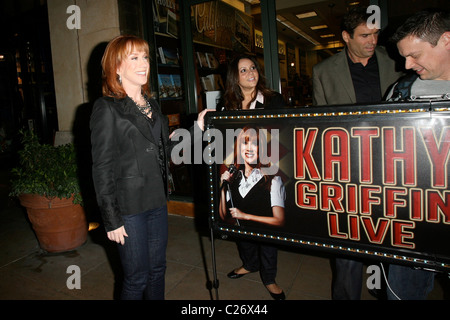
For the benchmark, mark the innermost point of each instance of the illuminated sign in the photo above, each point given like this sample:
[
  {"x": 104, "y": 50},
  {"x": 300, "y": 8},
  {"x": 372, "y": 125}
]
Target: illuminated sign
[{"x": 369, "y": 181}]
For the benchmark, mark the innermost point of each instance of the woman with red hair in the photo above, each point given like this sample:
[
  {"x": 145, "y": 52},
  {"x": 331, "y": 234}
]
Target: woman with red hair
[
  {"x": 130, "y": 152},
  {"x": 254, "y": 197}
]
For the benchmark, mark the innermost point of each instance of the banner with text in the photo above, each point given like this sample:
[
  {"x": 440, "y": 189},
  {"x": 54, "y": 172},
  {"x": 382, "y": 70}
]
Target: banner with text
[{"x": 370, "y": 181}]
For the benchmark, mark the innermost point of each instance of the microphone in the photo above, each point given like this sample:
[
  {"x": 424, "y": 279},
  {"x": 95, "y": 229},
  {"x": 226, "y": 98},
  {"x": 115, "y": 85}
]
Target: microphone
[{"x": 232, "y": 170}]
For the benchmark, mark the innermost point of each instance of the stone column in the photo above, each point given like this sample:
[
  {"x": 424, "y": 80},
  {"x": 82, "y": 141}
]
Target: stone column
[{"x": 74, "y": 47}]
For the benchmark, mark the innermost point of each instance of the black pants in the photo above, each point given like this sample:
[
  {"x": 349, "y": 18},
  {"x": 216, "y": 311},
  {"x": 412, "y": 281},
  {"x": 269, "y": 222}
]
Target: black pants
[
  {"x": 259, "y": 257},
  {"x": 348, "y": 279}
]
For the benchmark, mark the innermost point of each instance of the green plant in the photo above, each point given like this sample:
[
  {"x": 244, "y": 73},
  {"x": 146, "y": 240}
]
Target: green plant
[{"x": 46, "y": 170}]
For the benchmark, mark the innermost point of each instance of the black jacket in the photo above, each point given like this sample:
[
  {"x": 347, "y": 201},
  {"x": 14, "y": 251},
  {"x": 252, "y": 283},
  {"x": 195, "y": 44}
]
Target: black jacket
[
  {"x": 128, "y": 164},
  {"x": 274, "y": 102}
]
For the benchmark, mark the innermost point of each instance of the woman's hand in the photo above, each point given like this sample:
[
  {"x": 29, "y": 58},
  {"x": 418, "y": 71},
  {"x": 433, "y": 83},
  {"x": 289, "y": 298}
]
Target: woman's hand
[
  {"x": 277, "y": 219},
  {"x": 118, "y": 235},
  {"x": 238, "y": 214},
  {"x": 201, "y": 118},
  {"x": 225, "y": 177}
]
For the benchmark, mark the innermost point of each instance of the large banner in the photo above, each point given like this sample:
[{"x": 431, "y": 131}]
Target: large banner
[{"x": 368, "y": 181}]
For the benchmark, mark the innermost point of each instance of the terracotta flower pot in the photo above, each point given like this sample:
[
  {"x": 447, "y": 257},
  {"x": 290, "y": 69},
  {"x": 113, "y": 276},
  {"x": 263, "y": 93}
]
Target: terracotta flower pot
[{"x": 59, "y": 224}]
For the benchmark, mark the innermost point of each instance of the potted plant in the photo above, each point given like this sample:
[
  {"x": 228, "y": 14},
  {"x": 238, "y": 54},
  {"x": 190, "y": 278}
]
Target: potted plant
[{"x": 46, "y": 183}]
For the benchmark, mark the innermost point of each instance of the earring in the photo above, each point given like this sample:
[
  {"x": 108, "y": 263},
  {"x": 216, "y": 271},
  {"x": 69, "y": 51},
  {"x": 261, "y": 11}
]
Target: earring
[{"x": 120, "y": 79}]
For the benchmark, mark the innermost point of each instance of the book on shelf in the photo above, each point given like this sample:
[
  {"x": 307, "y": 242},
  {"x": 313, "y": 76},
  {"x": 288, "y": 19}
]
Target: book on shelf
[
  {"x": 165, "y": 85},
  {"x": 165, "y": 17},
  {"x": 216, "y": 79},
  {"x": 202, "y": 61},
  {"x": 172, "y": 27},
  {"x": 212, "y": 61},
  {"x": 176, "y": 82},
  {"x": 212, "y": 82},
  {"x": 207, "y": 83},
  {"x": 168, "y": 55}
]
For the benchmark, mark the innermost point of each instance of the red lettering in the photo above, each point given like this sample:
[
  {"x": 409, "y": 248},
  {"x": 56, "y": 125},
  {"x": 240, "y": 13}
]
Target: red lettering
[
  {"x": 331, "y": 195},
  {"x": 399, "y": 234},
  {"x": 336, "y": 152},
  {"x": 438, "y": 154},
  {"x": 416, "y": 204},
  {"x": 303, "y": 199},
  {"x": 352, "y": 199},
  {"x": 378, "y": 233},
  {"x": 375, "y": 232},
  {"x": 333, "y": 226},
  {"x": 353, "y": 225},
  {"x": 366, "y": 198},
  {"x": 365, "y": 136},
  {"x": 438, "y": 204},
  {"x": 405, "y": 155},
  {"x": 304, "y": 154},
  {"x": 391, "y": 202}
]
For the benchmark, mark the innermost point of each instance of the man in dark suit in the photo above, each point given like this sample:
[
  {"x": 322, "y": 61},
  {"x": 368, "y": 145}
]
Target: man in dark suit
[{"x": 361, "y": 73}]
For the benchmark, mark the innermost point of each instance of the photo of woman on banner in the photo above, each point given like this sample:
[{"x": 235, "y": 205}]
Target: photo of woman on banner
[
  {"x": 251, "y": 197},
  {"x": 247, "y": 180}
]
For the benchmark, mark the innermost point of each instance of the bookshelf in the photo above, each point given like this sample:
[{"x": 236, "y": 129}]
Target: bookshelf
[
  {"x": 170, "y": 89},
  {"x": 211, "y": 69},
  {"x": 208, "y": 78},
  {"x": 168, "y": 85}
]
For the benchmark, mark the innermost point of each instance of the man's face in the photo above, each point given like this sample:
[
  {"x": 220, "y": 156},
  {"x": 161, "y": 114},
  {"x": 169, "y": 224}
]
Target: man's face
[
  {"x": 429, "y": 62},
  {"x": 363, "y": 43}
]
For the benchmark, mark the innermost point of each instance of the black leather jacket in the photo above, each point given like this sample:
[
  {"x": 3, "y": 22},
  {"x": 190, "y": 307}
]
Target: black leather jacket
[{"x": 129, "y": 166}]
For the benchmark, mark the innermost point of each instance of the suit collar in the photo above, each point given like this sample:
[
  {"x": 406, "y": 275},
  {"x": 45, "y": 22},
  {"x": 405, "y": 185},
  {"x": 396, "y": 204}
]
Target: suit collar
[
  {"x": 384, "y": 69},
  {"x": 342, "y": 72}
]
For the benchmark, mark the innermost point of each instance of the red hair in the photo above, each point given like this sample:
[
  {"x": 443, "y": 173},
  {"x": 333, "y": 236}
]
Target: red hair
[{"x": 116, "y": 51}]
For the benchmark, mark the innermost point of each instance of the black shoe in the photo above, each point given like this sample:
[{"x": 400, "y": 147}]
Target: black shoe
[
  {"x": 278, "y": 296},
  {"x": 234, "y": 275}
]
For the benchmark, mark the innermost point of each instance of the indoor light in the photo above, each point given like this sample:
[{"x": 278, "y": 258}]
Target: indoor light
[
  {"x": 306, "y": 15},
  {"x": 294, "y": 28},
  {"x": 322, "y": 26}
]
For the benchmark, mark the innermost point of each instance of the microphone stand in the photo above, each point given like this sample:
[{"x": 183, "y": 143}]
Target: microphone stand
[
  {"x": 232, "y": 205},
  {"x": 232, "y": 170},
  {"x": 215, "y": 282}
]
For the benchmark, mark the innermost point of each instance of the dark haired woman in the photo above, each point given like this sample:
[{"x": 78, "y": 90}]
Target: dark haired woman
[{"x": 245, "y": 87}]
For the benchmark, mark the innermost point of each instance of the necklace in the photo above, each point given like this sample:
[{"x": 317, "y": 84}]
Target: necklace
[{"x": 146, "y": 108}]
